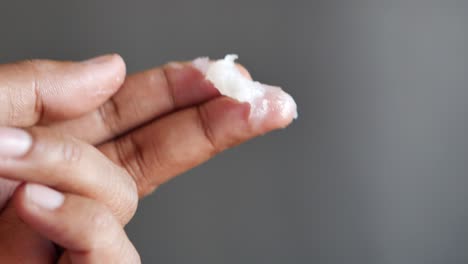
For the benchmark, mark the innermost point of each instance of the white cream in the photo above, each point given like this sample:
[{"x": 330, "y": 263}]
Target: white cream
[{"x": 227, "y": 78}]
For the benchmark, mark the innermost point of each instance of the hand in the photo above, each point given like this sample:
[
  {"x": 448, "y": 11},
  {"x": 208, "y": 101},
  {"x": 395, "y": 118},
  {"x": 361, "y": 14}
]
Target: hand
[
  {"x": 41, "y": 92},
  {"x": 86, "y": 218},
  {"x": 160, "y": 123},
  {"x": 187, "y": 122}
]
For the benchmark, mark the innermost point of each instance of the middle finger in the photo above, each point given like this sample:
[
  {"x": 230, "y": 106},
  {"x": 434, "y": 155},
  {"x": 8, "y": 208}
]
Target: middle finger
[{"x": 143, "y": 97}]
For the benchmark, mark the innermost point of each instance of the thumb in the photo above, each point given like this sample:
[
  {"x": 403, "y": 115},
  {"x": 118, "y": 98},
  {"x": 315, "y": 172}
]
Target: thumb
[{"x": 44, "y": 91}]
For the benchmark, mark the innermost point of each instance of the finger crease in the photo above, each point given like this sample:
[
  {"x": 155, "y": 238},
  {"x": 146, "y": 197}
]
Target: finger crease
[
  {"x": 170, "y": 87},
  {"x": 205, "y": 127},
  {"x": 38, "y": 107},
  {"x": 130, "y": 156},
  {"x": 108, "y": 113},
  {"x": 38, "y": 102}
]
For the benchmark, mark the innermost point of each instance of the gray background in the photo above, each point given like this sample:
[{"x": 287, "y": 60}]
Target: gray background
[{"x": 374, "y": 170}]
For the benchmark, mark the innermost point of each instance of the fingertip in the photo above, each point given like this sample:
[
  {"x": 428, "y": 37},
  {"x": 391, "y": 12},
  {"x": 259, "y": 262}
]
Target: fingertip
[
  {"x": 43, "y": 197},
  {"x": 110, "y": 69},
  {"x": 274, "y": 110},
  {"x": 238, "y": 121},
  {"x": 31, "y": 200},
  {"x": 121, "y": 68}
]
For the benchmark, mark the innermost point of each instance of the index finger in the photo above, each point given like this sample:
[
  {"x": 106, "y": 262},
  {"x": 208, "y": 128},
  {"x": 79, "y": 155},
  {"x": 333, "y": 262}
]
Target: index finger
[
  {"x": 143, "y": 97},
  {"x": 42, "y": 91}
]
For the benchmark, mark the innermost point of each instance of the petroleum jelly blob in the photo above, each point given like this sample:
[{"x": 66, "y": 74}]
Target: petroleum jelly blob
[{"x": 264, "y": 99}]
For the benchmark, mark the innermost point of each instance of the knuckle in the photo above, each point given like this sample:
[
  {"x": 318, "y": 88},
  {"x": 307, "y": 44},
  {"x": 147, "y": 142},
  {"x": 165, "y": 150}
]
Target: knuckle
[
  {"x": 132, "y": 157},
  {"x": 25, "y": 103},
  {"x": 51, "y": 147},
  {"x": 100, "y": 218},
  {"x": 38, "y": 79},
  {"x": 132, "y": 198},
  {"x": 100, "y": 228},
  {"x": 71, "y": 150}
]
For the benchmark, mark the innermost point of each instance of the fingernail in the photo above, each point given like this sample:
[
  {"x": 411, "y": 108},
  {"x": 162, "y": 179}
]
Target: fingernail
[
  {"x": 44, "y": 197},
  {"x": 99, "y": 60},
  {"x": 14, "y": 142}
]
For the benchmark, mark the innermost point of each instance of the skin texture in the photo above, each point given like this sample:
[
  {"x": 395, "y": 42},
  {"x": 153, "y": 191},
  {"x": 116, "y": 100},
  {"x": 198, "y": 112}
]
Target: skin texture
[
  {"x": 87, "y": 230},
  {"x": 146, "y": 129},
  {"x": 40, "y": 92}
]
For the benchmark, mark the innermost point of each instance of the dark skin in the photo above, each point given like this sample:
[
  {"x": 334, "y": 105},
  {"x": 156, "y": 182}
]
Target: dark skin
[{"x": 133, "y": 133}]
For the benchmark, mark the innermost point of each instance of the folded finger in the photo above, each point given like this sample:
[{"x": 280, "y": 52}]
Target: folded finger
[
  {"x": 87, "y": 230},
  {"x": 42, "y": 155}
]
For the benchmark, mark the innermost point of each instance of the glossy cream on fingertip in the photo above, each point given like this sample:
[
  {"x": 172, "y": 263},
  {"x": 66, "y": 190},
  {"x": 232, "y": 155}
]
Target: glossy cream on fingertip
[{"x": 263, "y": 99}]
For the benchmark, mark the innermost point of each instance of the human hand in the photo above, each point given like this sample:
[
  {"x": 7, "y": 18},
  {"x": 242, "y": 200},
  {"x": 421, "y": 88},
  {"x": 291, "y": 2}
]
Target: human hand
[
  {"x": 187, "y": 122},
  {"x": 160, "y": 123},
  {"x": 42, "y": 92},
  {"x": 86, "y": 218}
]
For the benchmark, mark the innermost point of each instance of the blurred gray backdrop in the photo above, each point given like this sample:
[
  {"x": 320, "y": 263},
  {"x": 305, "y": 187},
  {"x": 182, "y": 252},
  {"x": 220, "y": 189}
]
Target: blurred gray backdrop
[{"x": 373, "y": 171}]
